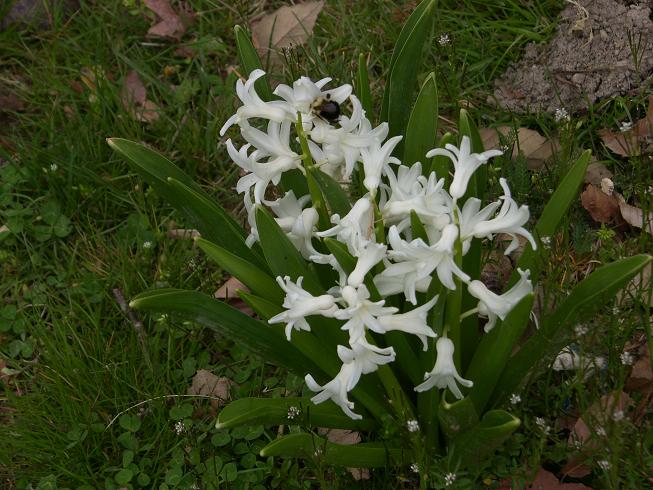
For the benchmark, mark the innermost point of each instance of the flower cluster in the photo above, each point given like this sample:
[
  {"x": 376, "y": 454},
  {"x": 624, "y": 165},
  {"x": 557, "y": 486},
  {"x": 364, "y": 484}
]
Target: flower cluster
[{"x": 395, "y": 262}]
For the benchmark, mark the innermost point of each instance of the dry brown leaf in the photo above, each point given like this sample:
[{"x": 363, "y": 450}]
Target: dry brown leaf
[
  {"x": 182, "y": 233},
  {"x": 641, "y": 376},
  {"x": 536, "y": 148},
  {"x": 635, "y": 216},
  {"x": 577, "y": 467},
  {"x": 599, "y": 414},
  {"x": 206, "y": 383},
  {"x": 347, "y": 438},
  {"x": 134, "y": 99},
  {"x": 633, "y": 141},
  {"x": 545, "y": 480},
  {"x": 11, "y": 103},
  {"x": 285, "y": 27},
  {"x": 596, "y": 172},
  {"x": 638, "y": 287},
  {"x": 602, "y": 208},
  {"x": 229, "y": 289},
  {"x": 170, "y": 25}
]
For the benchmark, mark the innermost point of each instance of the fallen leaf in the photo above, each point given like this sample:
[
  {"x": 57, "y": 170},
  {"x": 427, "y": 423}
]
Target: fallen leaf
[
  {"x": 536, "y": 148},
  {"x": 641, "y": 376},
  {"x": 229, "y": 293},
  {"x": 632, "y": 142},
  {"x": 347, "y": 438},
  {"x": 599, "y": 414},
  {"x": 602, "y": 208},
  {"x": 577, "y": 467},
  {"x": 545, "y": 480},
  {"x": 635, "y": 216},
  {"x": 596, "y": 172},
  {"x": 206, "y": 383},
  {"x": 285, "y": 27},
  {"x": 184, "y": 52},
  {"x": 134, "y": 99},
  {"x": 638, "y": 287},
  {"x": 171, "y": 25},
  {"x": 11, "y": 103}
]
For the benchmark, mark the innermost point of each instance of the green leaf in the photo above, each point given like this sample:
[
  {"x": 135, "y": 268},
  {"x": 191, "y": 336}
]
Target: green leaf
[
  {"x": 260, "y": 338},
  {"x": 62, "y": 227},
  {"x": 281, "y": 255},
  {"x": 417, "y": 227},
  {"x": 458, "y": 417},
  {"x": 131, "y": 423},
  {"x": 406, "y": 62},
  {"x": 441, "y": 164},
  {"x": 275, "y": 411},
  {"x": 587, "y": 297},
  {"x": 553, "y": 213},
  {"x": 250, "y": 61},
  {"x": 474, "y": 446},
  {"x": 309, "y": 446},
  {"x": 335, "y": 196},
  {"x": 363, "y": 86},
  {"x": 493, "y": 352},
  {"x": 50, "y": 212},
  {"x": 423, "y": 124},
  {"x": 247, "y": 272},
  {"x": 124, "y": 476}
]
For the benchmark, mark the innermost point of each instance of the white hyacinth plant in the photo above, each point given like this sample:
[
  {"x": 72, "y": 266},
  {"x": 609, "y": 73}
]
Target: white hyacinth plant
[{"x": 363, "y": 254}]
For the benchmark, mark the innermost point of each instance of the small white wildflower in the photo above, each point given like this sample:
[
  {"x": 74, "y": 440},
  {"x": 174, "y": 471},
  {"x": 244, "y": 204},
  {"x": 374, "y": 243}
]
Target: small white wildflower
[
  {"x": 561, "y": 115},
  {"x": 604, "y": 464},
  {"x": 293, "y": 412},
  {"x": 581, "y": 330},
  {"x": 541, "y": 423},
  {"x": 414, "y": 468},
  {"x": 546, "y": 241},
  {"x": 412, "y": 425},
  {"x": 625, "y": 126},
  {"x": 515, "y": 399},
  {"x": 627, "y": 358},
  {"x": 147, "y": 244},
  {"x": 615, "y": 310},
  {"x": 444, "y": 39},
  {"x": 618, "y": 416},
  {"x": 179, "y": 428},
  {"x": 318, "y": 452},
  {"x": 449, "y": 479},
  {"x": 600, "y": 431},
  {"x": 53, "y": 167}
]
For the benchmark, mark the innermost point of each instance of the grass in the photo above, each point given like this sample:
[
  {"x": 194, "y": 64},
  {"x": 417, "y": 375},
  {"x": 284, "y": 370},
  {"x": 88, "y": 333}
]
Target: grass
[{"x": 83, "y": 225}]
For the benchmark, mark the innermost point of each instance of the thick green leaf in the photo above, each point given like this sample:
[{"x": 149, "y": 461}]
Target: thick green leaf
[
  {"x": 474, "y": 446},
  {"x": 213, "y": 222},
  {"x": 587, "y": 297},
  {"x": 275, "y": 411},
  {"x": 423, "y": 123},
  {"x": 363, "y": 86},
  {"x": 247, "y": 272},
  {"x": 281, "y": 255},
  {"x": 250, "y": 61},
  {"x": 310, "y": 446},
  {"x": 457, "y": 417},
  {"x": 334, "y": 195},
  {"x": 553, "y": 213},
  {"x": 440, "y": 164},
  {"x": 405, "y": 66},
  {"x": 417, "y": 227},
  {"x": 262, "y": 339},
  {"x": 493, "y": 352}
]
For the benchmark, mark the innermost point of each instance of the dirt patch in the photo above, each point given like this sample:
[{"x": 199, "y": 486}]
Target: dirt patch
[{"x": 601, "y": 48}]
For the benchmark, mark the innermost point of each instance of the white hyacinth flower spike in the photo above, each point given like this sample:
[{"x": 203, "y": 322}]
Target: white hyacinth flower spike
[{"x": 444, "y": 373}]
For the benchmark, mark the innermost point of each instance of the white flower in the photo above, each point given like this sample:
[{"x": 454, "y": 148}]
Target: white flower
[
  {"x": 406, "y": 283},
  {"x": 604, "y": 464},
  {"x": 254, "y": 106},
  {"x": 414, "y": 468},
  {"x": 361, "y": 313},
  {"x": 147, "y": 244},
  {"x": 496, "y": 306},
  {"x": 300, "y": 304},
  {"x": 561, "y": 115},
  {"x": 412, "y": 425},
  {"x": 600, "y": 431},
  {"x": 368, "y": 256},
  {"x": 444, "y": 373},
  {"x": 444, "y": 39},
  {"x": 541, "y": 423},
  {"x": 627, "y": 358},
  {"x": 304, "y": 92},
  {"x": 515, "y": 399},
  {"x": 465, "y": 164},
  {"x": 376, "y": 158},
  {"x": 618, "y": 416},
  {"x": 413, "y": 322},
  {"x": 625, "y": 126},
  {"x": 449, "y": 479},
  {"x": 356, "y": 228},
  {"x": 337, "y": 389},
  {"x": 366, "y": 357},
  {"x": 510, "y": 220},
  {"x": 293, "y": 412}
]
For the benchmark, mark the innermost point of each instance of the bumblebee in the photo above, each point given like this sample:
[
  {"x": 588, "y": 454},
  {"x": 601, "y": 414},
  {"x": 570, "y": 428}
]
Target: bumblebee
[{"x": 326, "y": 109}]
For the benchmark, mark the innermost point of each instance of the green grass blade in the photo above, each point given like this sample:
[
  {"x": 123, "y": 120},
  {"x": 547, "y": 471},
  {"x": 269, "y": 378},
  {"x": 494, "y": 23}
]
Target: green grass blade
[
  {"x": 250, "y": 61},
  {"x": 493, "y": 353},
  {"x": 363, "y": 86},
  {"x": 365, "y": 455},
  {"x": 404, "y": 69},
  {"x": 423, "y": 123},
  {"x": 588, "y": 296},
  {"x": 274, "y": 411},
  {"x": 247, "y": 272},
  {"x": 262, "y": 339}
]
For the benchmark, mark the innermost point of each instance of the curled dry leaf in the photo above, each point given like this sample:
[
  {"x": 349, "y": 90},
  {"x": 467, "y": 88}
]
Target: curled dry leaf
[
  {"x": 171, "y": 24},
  {"x": 229, "y": 293},
  {"x": 640, "y": 286},
  {"x": 285, "y": 27},
  {"x": 536, "y": 148},
  {"x": 602, "y": 207},
  {"x": 134, "y": 99},
  {"x": 596, "y": 172},
  {"x": 182, "y": 233},
  {"x": 634, "y": 141},
  {"x": 206, "y": 383},
  {"x": 544, "y": 480},
  {"x": 634, "y": 216}
]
